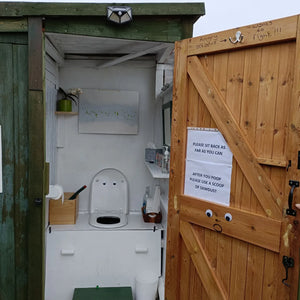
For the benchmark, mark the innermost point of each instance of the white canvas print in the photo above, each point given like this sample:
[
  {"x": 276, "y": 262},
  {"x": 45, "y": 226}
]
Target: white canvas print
[{"x": 108, "y": 111}]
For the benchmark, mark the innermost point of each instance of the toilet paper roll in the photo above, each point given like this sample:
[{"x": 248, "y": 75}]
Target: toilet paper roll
[{"x": 56, "y": 192}]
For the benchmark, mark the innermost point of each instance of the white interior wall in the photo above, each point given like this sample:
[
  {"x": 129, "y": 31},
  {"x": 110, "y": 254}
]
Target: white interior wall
[
  {"x": 81, "y": 156},
  {"x": 52, "y": 81}
]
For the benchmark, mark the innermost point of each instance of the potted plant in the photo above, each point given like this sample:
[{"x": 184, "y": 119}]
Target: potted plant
[{"x": 66, "y": 99}]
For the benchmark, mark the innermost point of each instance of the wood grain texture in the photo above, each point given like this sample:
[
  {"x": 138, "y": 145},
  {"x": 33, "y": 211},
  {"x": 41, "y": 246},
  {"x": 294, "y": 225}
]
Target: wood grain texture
[
  {"x": 20, "y": 69},
  {"x": 246, "y": 226},
  {"x": 293, "y": 146},
  {"x": 253, "y": 35},
  {"x": 211, "y": 283},
  {"x": 177, "y": 165},
  {"x": 14, "y": 199},
  {"x": 7, "y": 238},
  {"x": 35, "y": 51},
  {"x": 263, "y": 187},
  {"x": 18, "y": 9},
  {"x": 251, "y": 94},
  {"x": 36, "y": 140},
  {"x": 13, "y": 25}
]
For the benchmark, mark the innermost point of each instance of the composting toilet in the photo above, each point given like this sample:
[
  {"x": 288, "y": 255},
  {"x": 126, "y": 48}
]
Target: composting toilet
[{"x": 109, "y": 199}]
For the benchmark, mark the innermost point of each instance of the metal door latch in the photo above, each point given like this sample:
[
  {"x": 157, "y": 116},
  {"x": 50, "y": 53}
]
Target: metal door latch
[
  {"x": 288, "y": 262},
  {"x": 38, "y": 201},
  {"x": 290, "y": 211}
]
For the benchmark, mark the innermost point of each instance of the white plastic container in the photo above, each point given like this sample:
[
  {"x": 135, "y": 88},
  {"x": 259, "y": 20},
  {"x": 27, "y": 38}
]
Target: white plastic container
[{"x": 146, "y": 286}]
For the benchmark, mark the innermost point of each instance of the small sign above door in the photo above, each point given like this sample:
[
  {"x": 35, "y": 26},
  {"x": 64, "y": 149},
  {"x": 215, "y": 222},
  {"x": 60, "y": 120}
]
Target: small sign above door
[{"x": 208, "y": 166}]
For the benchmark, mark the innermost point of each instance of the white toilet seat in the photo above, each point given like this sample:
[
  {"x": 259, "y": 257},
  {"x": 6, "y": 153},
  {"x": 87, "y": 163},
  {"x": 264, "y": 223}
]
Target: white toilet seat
[
  {"x": 108, "y": 199},
  {"x": 95, "y": 216}
]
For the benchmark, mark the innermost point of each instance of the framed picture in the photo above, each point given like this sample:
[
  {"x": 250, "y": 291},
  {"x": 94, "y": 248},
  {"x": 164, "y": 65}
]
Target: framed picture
[{"x": 108, "y": 111}]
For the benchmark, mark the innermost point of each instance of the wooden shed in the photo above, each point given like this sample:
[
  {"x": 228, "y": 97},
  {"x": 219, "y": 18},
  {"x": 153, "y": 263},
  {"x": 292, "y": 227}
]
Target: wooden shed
[{"x": 25, "y": 29}]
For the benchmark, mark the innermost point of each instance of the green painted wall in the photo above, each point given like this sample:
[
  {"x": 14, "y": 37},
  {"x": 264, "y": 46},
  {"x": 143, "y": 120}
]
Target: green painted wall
[{"x": 14, "y": 199}]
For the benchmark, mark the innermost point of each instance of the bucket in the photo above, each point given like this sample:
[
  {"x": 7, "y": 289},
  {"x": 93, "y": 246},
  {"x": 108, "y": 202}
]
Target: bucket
[{"x": 146, "y": 286}]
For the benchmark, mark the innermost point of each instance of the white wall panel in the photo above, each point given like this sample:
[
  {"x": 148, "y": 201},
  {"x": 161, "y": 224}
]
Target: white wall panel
[{"x": 83, "y": 155}]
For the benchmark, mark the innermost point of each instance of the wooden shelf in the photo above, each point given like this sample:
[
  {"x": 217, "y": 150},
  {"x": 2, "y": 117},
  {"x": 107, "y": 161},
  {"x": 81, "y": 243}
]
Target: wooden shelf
[
  {"x": 156, "y": 172},
  {"x": 66, "y": 113}
]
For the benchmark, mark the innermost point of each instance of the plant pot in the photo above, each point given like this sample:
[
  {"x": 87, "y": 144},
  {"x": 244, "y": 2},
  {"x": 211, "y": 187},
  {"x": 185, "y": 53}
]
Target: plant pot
[{"x": 64, "y": 105}]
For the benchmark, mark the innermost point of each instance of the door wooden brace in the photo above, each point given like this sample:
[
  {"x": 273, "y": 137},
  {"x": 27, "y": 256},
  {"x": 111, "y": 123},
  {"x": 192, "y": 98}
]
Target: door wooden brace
[
  {"x": 211, "y": 283},
  {"x": 244, "y": 225},
  {"x": 214, "y": 101}
]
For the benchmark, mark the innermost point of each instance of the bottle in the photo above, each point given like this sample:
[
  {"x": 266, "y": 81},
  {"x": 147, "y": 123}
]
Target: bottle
[
  {"x": 145, "y": 198},
  {"x": 165, "y": 165}
]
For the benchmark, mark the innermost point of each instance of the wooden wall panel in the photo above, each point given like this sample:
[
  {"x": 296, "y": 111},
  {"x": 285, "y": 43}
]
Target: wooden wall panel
[
  {"x": 14, "y": 199},
  {"x": 185, "y": 272},
  {"x": 7, "y": 239},
  {"x": 284, "y": 92},
  {"x": 267, "y": 101}
]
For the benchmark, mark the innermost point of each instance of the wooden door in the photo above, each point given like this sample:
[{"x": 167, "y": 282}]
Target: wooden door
[
  {"x": 248, "y": 87},
  {"x": 22, "y": 126},
  {"x": 14, "y": 197}
]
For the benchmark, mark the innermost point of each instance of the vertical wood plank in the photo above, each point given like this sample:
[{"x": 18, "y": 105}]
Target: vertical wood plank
[
  {"x": 255, "y": 272},
  {"x": 270, "y": 275},
  {"x": 185, "y": 270},
  {"x": 267, "y": 101},
  {"x": 193, "y": 106},
  {"x": 35, "y": 58},
  {"x": 293, "y": 172},
  {"x": 284, "y": 93},
  {"x": 36, "y": 123},
  {"x": 7, "y": 237},
  {"x": 208, "y": 63},
  {"x": 20, "y": 70},
  {"x": 238, "y": 269},
  {"x": 197, "y": 291},
  {"x": 235, "y": 79},
  {"x": 177, "y": 165},
  {"x": 250, "y": 93}
]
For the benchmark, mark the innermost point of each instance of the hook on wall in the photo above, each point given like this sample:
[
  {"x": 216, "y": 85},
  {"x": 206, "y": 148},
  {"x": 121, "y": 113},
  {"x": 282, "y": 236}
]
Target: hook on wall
[{"x": 238, "y": 38}]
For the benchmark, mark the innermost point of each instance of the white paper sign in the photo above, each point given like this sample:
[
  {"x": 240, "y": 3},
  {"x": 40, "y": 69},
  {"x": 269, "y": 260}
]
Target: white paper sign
[
  {"x": 208, "y": 166},
  {"x": 208, "y": 145},
  {"x": 0, "y": 160},
  {"x": 208, "y": 181}
]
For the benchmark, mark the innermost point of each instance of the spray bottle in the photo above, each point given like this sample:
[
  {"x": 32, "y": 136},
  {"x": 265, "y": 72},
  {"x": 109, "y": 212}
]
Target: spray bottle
[
  {"x": 166, "y": 159},
  {"x": 146, "y": 197}
]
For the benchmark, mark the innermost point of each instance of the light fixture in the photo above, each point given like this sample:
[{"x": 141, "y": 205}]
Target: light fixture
[{"x": 119, "y": 14}]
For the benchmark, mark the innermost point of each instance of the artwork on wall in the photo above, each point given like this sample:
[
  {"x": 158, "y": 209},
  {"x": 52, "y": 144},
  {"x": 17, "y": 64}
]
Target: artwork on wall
[{"x": 108, "y": 111}]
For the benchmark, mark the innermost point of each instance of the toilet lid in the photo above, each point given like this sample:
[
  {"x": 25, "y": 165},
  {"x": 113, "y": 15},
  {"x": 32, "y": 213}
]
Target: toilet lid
[{"x": 109, "y": 192}]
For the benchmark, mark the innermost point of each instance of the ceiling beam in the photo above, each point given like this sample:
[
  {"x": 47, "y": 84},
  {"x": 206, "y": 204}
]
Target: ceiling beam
[
  {"x": 53, "y": 52},
  {"x": 132, "y": 56},
  {"x": 162, "y": 57}
]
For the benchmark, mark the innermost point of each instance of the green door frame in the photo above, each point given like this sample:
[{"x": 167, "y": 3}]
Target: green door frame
[{"x": 36, "y": 183}]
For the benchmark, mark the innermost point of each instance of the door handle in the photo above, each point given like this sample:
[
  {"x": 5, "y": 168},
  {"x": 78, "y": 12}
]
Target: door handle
[
  {"x": 288, "y": 262},
  {"x": 290, "y": 211}
]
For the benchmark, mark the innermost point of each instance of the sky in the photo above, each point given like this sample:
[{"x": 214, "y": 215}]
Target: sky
[{"x": 224, "y": 14}]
